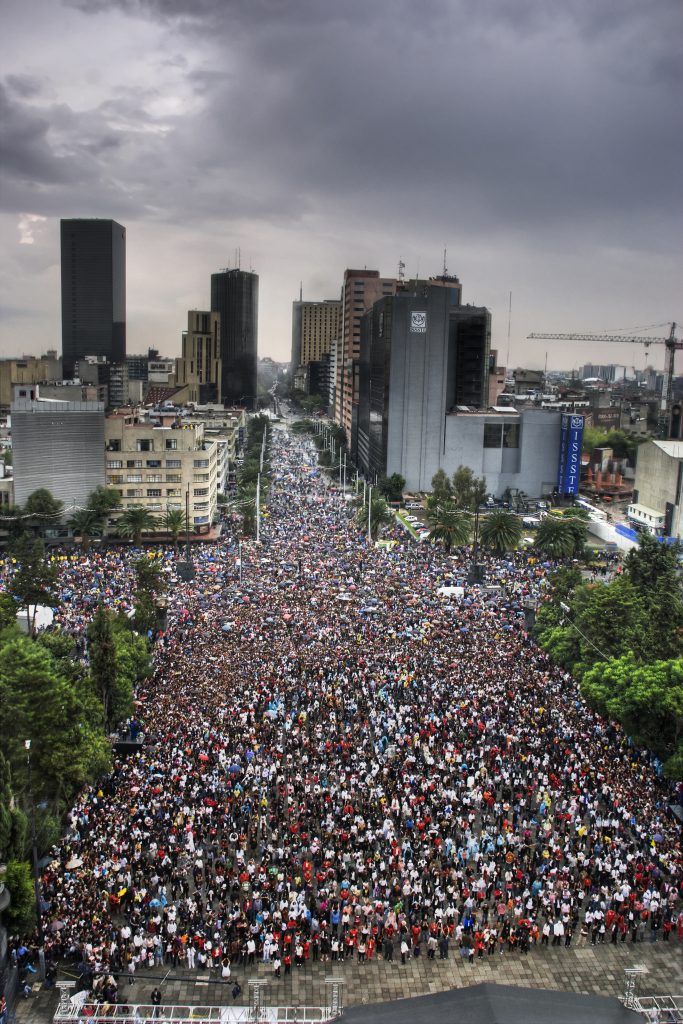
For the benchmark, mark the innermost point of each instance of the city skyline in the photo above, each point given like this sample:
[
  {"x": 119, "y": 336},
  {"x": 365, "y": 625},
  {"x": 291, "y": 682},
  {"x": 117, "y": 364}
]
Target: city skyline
[{"x": 538, "y": 147}]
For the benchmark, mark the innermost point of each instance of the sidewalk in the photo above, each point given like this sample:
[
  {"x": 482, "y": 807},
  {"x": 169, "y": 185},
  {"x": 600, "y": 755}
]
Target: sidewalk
[{"x": 595, "y": 970}]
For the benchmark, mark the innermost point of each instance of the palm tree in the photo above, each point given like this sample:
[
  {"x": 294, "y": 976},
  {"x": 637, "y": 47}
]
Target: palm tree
[
  {"x": 501, "y": 531},
  {"x": 451, "y": 525},
  {"x": 174, "y": 521},
  {"x": 135, "y": 521},
  {"x": 556, "y": 537},
  {"x": 578, "y": 519},
  {"x": 380, "y": 513},
  {"x": 86, "y": 524}
]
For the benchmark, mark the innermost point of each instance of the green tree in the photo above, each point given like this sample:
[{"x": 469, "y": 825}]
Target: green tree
[
  {"x": 36, "y": 581},
  {"x": 380, "y": 514},
  {"x": 391, "y": 487},
  {"x": 577, "y": 520},
  {"x": 102, "y": 658},
  {"x": 451, "y": 525},
  {"x": 15, "y": 524},
  {"x": 44, "y": 509},
  {"x": 135, "y": 521},
  {"x": 21, "y": 913},
  {"x": 103, "y": 501},
  {"x": 469, "y": 491},
  {"x": 38, "y": 702},
  {"x": 442, "y": 489},
  {"x": 501, "y": 531},
  {"x": 556, "y": 538},
  {"x": 8, "y": 610},
  {"x": 653, "y": 562},
  {"x": 13, "y": 823},
  {"x": 86, "y": 524},
  {"x": 174, "y": 521},
  {"x": 646, "y": 699},
  {"x": 325, "y": 459}
]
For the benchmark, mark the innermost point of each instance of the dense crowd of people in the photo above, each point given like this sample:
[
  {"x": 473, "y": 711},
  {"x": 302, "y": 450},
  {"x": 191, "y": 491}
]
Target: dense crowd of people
[{"x": 343, "y": 761}]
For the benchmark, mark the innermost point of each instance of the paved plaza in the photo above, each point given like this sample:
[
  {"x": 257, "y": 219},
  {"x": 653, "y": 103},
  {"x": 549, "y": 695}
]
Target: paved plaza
[{"x": 595, "y": 970}]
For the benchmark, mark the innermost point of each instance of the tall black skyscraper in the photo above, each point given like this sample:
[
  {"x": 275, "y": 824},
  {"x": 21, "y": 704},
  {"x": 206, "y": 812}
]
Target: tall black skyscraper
[
  {"x": 93, "y": 291},
  {"x": 234, "y": 294}
]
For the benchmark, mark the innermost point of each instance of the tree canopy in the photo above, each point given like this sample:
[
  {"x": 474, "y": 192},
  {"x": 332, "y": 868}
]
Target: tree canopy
[{"x": 623, "y": 641}]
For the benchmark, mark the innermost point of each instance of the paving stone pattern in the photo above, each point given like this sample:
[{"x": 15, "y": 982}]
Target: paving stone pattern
[{"x": 598, "y": 970}]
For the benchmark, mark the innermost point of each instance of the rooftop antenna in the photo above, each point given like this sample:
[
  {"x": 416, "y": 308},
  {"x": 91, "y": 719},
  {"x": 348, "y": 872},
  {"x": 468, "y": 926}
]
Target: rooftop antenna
[
  {"x": 445, "y": 268},
  {"x": 239, "y": 259},
  {"x": 401, "y": 269},
  {"x": 507, "y": 360},
  {"x": 301, "y": 291}
]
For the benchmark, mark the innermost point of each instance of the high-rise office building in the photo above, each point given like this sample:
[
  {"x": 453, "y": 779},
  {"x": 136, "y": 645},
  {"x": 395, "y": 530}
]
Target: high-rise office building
[
  {"x": 361, "y": 289},
  {"x": 199, "y": 367},
  {"x": 315, "y": 325},
  {"x": 234, "y": 296},
  {"x": 93, "y": 291},
  {"x": 423, "y": 357}
]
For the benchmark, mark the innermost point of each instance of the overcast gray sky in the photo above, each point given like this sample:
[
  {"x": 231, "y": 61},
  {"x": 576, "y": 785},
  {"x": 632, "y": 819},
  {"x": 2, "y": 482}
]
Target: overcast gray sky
[{"x": 539, "y": 142}]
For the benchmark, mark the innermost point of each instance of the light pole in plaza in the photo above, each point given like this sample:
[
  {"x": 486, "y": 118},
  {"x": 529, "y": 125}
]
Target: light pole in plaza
[
  {"x": 370, "y": 514},
  {"x": 36, "y": 873},
  {"x": 476, "y": 574},
  {"x": 258, "y": 508}
]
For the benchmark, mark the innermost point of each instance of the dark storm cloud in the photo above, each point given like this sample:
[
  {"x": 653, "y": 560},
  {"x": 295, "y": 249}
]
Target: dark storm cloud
[{"x": 439, "y": 118}]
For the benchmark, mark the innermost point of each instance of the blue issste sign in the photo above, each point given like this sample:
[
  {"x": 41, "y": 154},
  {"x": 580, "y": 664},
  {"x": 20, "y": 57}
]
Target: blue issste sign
[{"x": 569, "y": 466}]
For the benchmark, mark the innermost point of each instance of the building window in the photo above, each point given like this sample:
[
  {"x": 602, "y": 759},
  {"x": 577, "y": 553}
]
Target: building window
[
  {"x": 173, "y": 463},
  {"x": 134, "y": 478},
  {"x": 511, "y": 435},
  {"x": 134, "y": 464},
  {"x": 134, "y": 492},
  {"x": 493, "y": 433},
  {"x": 174, "y": 478},
  {"x": 115, "y": 478},
  {"x": 201, "y": 463},
  {"x": 171, "y": 444},
  {"x": 200, "y": 478},
  {"x": 200, "y": 492},
  {"x": 115, "y": 464},
  {"x": 144, "y": 445},
  {"x": 174, "y": 492},
  {"x": 114, "y": 446},
  {"x": 154, "y": 478},
  {"x": 154, "y": 492},
  {"x": 153, "y": 463}
]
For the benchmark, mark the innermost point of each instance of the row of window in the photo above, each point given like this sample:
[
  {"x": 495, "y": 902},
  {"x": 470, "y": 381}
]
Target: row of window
[
  {"x": 137, "y": 463},
  {"x": 171, "y": 492}
]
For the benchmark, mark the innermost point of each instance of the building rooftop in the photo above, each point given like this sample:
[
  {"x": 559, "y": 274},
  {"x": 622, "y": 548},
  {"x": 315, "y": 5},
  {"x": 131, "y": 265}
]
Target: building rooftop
[{"x": 672, "y": 448}]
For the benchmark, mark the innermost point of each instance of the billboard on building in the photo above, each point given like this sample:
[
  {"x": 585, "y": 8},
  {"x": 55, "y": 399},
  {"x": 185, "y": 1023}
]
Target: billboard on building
[{"x": 569, "y": 465}]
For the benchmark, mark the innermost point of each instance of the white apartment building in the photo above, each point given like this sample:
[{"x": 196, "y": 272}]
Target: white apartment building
[{"x": 162, "y": 465}]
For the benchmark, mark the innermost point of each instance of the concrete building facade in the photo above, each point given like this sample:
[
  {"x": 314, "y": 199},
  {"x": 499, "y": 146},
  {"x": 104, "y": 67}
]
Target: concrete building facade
[
  {"x": 57, "y": 445},
  {"x": 422, "y": 354},
  {"x": 360, "y": 290},
  {"x": 315, "y": 325},
  {"x": 93, "y": 259},
  {"x": 27, "y": 370},
  {"x": 158, "y": 463},
  {"x": 424, "y": 388},
  {"x": 200, "y": 367},
  {"x": 657, "y": 505}
]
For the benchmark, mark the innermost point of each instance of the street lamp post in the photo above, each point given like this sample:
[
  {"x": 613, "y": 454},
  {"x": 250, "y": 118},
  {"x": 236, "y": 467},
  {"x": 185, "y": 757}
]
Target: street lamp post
[
  {"x": 370, "y": 514},
  {"x": 476, "y": 574},
  {"x": 36, "y": 873}
]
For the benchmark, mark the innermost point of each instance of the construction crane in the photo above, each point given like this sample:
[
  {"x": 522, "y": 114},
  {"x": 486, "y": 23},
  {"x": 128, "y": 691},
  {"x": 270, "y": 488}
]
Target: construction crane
[{"x": 673, "y": 345}]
